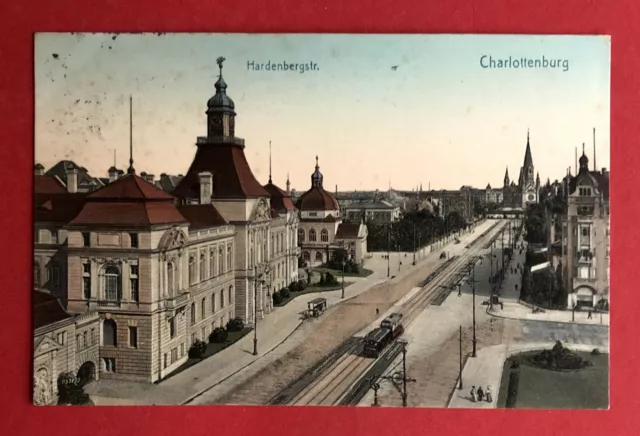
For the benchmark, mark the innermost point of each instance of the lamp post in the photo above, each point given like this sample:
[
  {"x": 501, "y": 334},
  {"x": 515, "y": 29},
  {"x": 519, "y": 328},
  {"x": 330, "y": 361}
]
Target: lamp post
[
  {"x": 414, "y": 243},
  {"x": 403, "y": 343},
  {"x": 395, "y": 378},
  {"x": 389, "y": 253},
  {"x": 258, "y": 277},
  {"x": 420, "y": 246}
]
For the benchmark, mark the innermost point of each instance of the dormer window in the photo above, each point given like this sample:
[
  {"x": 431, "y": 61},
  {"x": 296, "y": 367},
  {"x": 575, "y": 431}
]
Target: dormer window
[
  {"x": 86, "y": 239},
  {"x": 584, "y": 191},
  {"x": 134, "y": 240}
]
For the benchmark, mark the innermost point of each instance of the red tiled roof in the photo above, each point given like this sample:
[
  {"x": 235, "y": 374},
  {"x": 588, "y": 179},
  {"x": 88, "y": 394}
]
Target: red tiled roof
[
  {"x": 348, "y": 231},
  {"x": 47, "y": 310},
  {"x": 232, "y": 176},
  {"x": 317, "y": 198},
  {"x": 131, "y": 187},
  {"x": 202, "y": 216},
  {"x": 48, "y": 185},
  {"x": 128, "y": 201},
  {"x": 57, "y": 208},
  {"x": 127, "y": 213},
  {"x": 280, "y": 200}
]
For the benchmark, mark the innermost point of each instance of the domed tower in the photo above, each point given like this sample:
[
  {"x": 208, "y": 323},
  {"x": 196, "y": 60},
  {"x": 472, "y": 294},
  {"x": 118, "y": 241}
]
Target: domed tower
[
  {"x": 221, "y": 112},
  {"x": 584, "y": 162},
  {"x": 316, "y": 177}
]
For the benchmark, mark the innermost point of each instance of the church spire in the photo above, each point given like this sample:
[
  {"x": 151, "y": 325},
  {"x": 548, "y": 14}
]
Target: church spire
[
  {"x": 131, "y": 170},
  {"x": 528, "y": 160},
  {"x": 288, "y": 184},
  {"x": 506, "y": 177}
]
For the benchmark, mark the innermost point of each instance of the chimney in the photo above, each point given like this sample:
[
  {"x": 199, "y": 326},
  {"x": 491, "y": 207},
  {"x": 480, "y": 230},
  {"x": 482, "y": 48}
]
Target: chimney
[
  {"x": 72, "y": 180},
  {"x": 113, "y": 174},
  {"x": 38, "y": 170},
  {"x": 206, "y": 182},
  {"x": 604, "y": 171}
]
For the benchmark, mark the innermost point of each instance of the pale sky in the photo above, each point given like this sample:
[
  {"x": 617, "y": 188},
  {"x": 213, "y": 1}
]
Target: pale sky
[{"x": 438, "y": 118}]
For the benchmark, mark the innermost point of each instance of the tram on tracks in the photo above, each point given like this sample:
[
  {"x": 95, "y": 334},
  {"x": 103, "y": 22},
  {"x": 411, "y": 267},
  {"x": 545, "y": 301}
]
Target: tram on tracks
[{"x": 377, "y": 340}]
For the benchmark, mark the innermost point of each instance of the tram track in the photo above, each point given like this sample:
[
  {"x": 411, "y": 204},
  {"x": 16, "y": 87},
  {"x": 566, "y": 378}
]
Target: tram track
[{"x": 336, "y": 380}]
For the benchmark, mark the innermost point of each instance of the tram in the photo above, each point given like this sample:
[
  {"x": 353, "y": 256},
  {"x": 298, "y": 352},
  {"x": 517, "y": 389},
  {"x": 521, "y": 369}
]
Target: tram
[{"x": 375, "y": 341}]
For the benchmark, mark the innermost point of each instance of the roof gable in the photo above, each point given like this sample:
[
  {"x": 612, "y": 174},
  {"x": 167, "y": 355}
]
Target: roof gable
[{"x": 129, "y": 187}]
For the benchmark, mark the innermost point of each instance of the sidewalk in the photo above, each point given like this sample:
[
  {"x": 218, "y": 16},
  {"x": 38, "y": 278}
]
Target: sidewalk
[
  {"x": 514, "y": 309},
  {"x": 228, "y": 368}
]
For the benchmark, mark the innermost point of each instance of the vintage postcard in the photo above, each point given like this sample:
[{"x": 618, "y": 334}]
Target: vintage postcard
[{"x": 321, "y": 220}]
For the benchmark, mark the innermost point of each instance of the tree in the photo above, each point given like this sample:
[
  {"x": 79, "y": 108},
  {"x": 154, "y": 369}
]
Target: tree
[
  {"x": 535, "y": 227},
  {"x": 70, "y": 390}
]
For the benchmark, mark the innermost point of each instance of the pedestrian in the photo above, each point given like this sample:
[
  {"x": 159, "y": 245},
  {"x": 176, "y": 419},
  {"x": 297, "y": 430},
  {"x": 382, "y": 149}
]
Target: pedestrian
[
  {"x": 516, "y": 287},
  {"x": 480, "y": 393},
  {"x": 487, "y": 394},
  {"x": 473, "y": 394},
  {"x": 589, "y": 316},
  {"x": 377, "y": 311},
  {"x": 459, "y": 290},
  {"x": 501, "y": 305}
]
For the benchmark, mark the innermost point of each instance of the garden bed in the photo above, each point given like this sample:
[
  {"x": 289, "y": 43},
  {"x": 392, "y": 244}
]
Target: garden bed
[
  {"x": 539, "y": 388},
  {"x": 212, "y": 348},
  {"x": 338, "y": 273},
  {"x": 312, "y": 289}
]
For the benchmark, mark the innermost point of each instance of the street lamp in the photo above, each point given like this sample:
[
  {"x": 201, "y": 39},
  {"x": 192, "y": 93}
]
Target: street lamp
[
  {"x": 403, "y": 343},
  {"x": 395, "y": 378},
  {"x": 261, "y": 273}
]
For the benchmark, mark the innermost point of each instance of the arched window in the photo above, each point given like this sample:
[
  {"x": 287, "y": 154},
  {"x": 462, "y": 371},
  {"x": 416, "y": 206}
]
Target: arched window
[
  {"x": 281, "y": 245},
  {"x": 213, "y": 302},
  {"x": 300, "y": 235},
  {"x": 212, "y": 263},
  {"x": 306, "y": 256},
  {"x": 192, "y": 270},
  {"x": 53, "y": 276},
  {"x": 278, "y": 271},
  {"x": 112, "y": 283},
  {"x": 220, "y": 261},
  {"x": 203, "y": 308},
  {"x": 36, "y": 274},
  {"x": 109, "y": 333},
  {"x": 203, "y": 267},
  {"x": 273, "y": 244},
  {"x": 229, "y": 258},
  {"x": 312, "y": 235},
  {"x": 324, "y": 235},
  {"x": 193, "y": 313},
  {"x": 231, "y": 294},
  {"x": 318, "y": 256},
  {"x": 170, "y": 280},
  {"x": 221, "y": 299}
]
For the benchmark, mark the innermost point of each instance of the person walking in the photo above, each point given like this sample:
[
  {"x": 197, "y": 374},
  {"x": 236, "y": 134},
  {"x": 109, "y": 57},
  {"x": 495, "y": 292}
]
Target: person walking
[
  {"x": 487, "y": 394},
  {"x": 589, "y": 316},
  {"x": 480, "y": 394},
  {"x": 473, "y": 394},
  {"x": 377, "y": 311}
]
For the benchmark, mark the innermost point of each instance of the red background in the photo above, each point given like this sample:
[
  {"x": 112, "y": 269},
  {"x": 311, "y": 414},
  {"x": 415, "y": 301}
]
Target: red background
[{"x": 20, "y": 19}]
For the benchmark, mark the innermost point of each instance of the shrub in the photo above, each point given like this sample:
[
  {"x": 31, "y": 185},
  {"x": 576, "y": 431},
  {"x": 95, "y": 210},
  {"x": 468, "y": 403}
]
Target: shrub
[
  {"x": 197, "y": 349},
  {"x": 595, "y": 352},
  {"x": 218, "y": 335},
  {"x": 559, "y": 357},
  {"x": 285, "y": 289},
  {"x": 70, "y": 390},
  {"x": 295, "y": 287},
  {"x": 321, "y": 282},
  {"x": 330, "y": 280},
  {"x": 302, "y": 284},
  {"x": 235, "y": 325},
  {"x": 512, "y": 390},
  {"x": 277, "y": 298},
  {"x": 284, "y": 293}
]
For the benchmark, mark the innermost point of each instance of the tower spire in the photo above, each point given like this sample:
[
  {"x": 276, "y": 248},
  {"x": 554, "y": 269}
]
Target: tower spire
[
  {"x": 575, "y": 165},
  {"x": 131, "y": 170},
  {"x": 270, "y": 163},
  {"x": 595, "y": 167},
  {"x": 114, "y": 157}
]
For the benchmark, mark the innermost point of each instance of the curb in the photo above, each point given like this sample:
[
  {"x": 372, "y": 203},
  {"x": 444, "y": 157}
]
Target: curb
[
  {"x": 542, "y": 320},
  {"x": 193, "y": 397}
]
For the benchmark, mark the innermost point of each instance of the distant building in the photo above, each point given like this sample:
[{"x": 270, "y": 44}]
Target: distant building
[
  {"x": 378, "y": 212},
  {"x": 526, "y": 191},
  {"x": 321, "y": 231}
]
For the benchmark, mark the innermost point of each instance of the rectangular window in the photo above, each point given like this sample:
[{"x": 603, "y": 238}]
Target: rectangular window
[
  {"x": 221, "y": 299},
  {"x": 213, "y": 303},
  {"x": 585, "y": 231},
  {"x": 86, "y": 279},
  {"x": 93, "y": 336},
  {"x": 133, "y": 337},
  {"x": 166, "y": 360},
  {"x": 172, "y": 328},
  {"x": 133, "y": 279},
  {"x": 134, "y": 240},
  {"x": 182, "y": 349},
  {"x": 77, "y": 342},
  {"x": 54, "y": 277},
  {"x": 204, "y": 333},
  {"x": 84, "y": 340},
  {"x": 212, "y": 263},
  {"x": 193, "y": 338},
  {"x": 62, "y": 338},
  {"x": 174, "y": 355},
  {"x": 110, "y": 364},
  {"x": 86, "y": 239}
]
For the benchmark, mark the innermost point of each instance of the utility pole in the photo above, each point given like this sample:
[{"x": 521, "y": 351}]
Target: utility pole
[
  {"x": 460, "y": 375},
  {"x": 473, "y": 288},
  {"x": 255, "y": 310}
]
